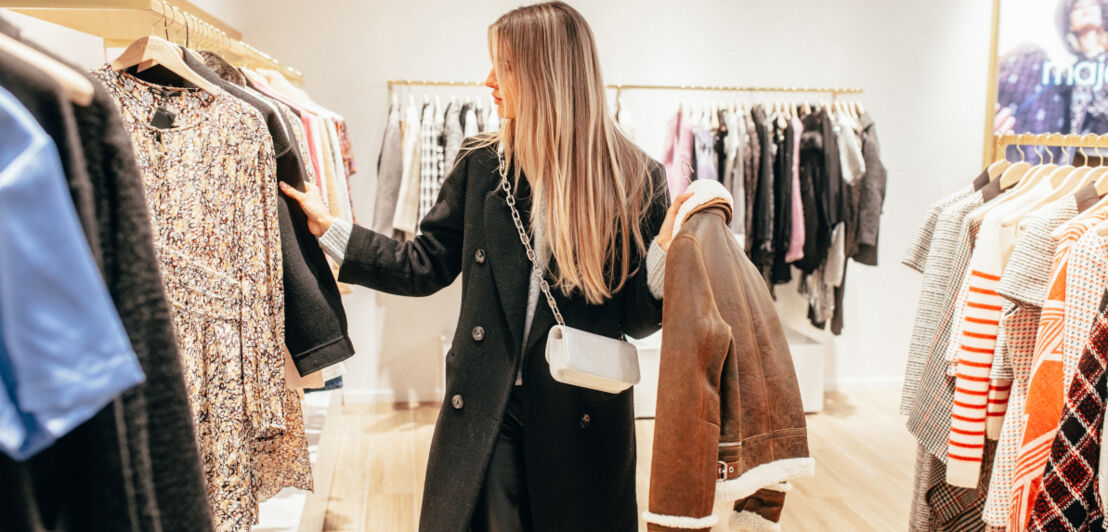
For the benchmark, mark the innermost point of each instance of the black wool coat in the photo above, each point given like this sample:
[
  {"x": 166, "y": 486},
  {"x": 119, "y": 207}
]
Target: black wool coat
[{"x": 579, "y": 444}]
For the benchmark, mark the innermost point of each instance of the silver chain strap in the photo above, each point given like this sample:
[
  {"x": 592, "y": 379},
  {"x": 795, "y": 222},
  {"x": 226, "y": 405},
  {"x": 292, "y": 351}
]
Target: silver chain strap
[{"x": 531, "y": 255}]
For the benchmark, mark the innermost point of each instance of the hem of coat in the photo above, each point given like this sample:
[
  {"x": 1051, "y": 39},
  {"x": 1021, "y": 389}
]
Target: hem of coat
[
  {"x": 662, "y": 523},
  {"x": 866, "y": 255},
  {"x": 319, "y": 357},
  {"x": 752, "y": 522},
  {"x": 769, "y": 475}
]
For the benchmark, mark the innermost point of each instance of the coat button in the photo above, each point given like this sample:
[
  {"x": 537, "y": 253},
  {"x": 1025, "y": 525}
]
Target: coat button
[
  {"x": 457, "y": 402},
  {"x": 478, "y": 333},
  {"x": 585, "y": 420},
  {"x": 479, "y": 256}
]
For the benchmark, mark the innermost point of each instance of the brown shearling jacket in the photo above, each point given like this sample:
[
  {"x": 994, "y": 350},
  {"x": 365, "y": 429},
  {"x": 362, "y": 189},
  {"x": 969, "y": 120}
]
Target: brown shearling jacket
[{"x": 729, "y": 425}]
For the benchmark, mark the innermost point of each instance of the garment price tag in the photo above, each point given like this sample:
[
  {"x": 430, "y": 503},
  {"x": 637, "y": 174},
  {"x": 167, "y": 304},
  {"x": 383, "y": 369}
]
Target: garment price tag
[{"x": 163, "y": 118}]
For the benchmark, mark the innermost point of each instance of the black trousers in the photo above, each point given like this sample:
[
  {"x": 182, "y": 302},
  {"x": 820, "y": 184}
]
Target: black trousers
[{"x": 503, "y": 505}]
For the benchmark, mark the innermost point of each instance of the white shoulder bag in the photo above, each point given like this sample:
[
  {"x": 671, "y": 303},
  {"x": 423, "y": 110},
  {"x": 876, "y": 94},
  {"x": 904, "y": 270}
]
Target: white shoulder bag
[{"x": 577, "y": 357}]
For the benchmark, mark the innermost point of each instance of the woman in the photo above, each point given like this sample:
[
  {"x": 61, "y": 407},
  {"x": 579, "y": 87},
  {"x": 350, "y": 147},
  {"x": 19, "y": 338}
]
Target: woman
[
  {"x": 513, "y": 449},
  {"x": 1031, "y": 100},
  {"x": 1082, "y": 24}
]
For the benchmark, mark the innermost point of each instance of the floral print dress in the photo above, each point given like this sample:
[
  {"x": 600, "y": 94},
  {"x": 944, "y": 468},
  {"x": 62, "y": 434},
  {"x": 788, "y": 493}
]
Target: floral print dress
[{"x": 211, "y": 190}]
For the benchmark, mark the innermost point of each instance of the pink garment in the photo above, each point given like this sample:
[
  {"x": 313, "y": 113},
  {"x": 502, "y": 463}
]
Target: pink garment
[
  {"x": 313, "y": 141},
  {"x": 677, "y": 150},
  {"x": 796, "y": 243},
  {"x": 310, "y": 134}
]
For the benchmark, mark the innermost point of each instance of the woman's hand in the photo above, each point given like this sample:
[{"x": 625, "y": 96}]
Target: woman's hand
[
  {"x": 319, "y": 218},
  {"x": 665, "y": 234}
]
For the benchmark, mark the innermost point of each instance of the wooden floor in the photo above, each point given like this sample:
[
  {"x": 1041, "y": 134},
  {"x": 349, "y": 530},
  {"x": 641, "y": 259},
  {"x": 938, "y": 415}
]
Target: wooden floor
[{"x": 864, "y": 464}]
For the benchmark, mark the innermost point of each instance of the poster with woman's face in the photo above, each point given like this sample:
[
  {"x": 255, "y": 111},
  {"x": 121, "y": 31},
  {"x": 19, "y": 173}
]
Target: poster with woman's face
[{"x": 1052, "y": 68}]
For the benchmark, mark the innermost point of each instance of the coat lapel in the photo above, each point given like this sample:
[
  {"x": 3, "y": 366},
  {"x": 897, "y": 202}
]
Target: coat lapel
[{"x": 508, "y": 261}]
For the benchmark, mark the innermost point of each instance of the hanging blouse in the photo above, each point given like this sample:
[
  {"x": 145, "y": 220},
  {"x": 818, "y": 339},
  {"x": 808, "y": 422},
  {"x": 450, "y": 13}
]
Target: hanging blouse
[{"x": 210, "y": 182}]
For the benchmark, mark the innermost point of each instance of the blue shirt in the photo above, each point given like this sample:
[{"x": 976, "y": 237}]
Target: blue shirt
[{"x": 63, "y": 352}]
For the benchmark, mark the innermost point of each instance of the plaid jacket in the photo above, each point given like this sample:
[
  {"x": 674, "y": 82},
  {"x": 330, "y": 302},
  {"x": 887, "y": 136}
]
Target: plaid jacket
[{"x": 1068, "y": 501}]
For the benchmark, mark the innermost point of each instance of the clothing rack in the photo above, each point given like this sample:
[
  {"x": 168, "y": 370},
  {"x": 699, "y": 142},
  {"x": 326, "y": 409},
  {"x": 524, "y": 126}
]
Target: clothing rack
[
  {"x": 620, "y": 87},
  {"x": 1058, "y": 140},
  {"x": 121, "y": 22}
]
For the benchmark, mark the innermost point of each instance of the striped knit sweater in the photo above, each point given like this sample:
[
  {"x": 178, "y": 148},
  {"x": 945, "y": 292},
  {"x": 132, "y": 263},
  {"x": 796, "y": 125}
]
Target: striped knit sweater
[
  {"x": 974, "y": 358},
  {"x": 1045, "y": 391},
  {"x": 979, "y": 401}
]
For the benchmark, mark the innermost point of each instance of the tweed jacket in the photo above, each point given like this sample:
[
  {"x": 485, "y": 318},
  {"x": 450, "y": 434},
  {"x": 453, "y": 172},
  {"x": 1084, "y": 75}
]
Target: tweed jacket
[
  {"x": 579, "y": 444},
  {"x": 729, "y": 426},
  {"x": 937, "y": 269}
]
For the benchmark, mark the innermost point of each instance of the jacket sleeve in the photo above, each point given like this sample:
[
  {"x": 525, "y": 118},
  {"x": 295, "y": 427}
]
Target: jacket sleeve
[
  {"x": 873, "y": 198},
  {"x": 420, "y": 266},
  {"x": 642, "y": 311},
  {"x": 263, "y": 304},
  {"x": 683, "y": 467}
]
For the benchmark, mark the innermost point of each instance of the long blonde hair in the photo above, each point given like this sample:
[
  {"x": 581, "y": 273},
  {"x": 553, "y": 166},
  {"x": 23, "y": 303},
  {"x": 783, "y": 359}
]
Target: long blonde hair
[{"x": 593, "y": 181}]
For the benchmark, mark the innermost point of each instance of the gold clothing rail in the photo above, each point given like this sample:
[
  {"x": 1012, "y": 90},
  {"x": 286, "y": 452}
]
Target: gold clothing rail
[
  {"x": 619, "y": 87},
  {"x": 1002, "y": 142},
  {"x": 121, "y": 22}
]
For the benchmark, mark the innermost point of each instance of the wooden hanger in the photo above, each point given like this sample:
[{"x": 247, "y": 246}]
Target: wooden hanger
[
  {"x": 1017, "y": 171},
  {"x": 1067, "y": 184},
  {"x": 1013, "y": 175},
  {"x": 77, "y": 87},
  {"x": 152, "y": 50},
  {"x": 1057, "y": 234},
  {"x": 996, "y": 169},
  {"x": 1102, "y": 185}
]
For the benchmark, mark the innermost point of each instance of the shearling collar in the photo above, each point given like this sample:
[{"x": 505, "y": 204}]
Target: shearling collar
[{"x": 706, "y": 193}]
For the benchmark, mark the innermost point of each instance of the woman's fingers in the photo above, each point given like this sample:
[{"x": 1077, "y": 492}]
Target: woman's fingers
[
  {"x": 665, "y": 234},
  {"x": 291, "y": 191},
  {"x": 680, "y": 201},
  {"x": 1005, "y": 121}
]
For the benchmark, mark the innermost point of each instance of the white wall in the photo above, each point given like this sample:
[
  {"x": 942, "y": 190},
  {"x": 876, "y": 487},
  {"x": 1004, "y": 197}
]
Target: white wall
[
  {"x": 232, "y": 12},
  {"x": 923, "y": 66}
]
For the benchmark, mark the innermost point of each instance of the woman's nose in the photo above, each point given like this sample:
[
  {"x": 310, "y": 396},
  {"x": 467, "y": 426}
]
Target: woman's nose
[{"x": 490, "y": 81}]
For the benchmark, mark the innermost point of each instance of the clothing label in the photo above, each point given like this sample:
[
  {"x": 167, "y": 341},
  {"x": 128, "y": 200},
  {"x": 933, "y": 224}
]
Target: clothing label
[
  {"x": 163, "y": 118},
  {"x": 991, "y": 190},
  {"x": 981, "y": 180}
]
